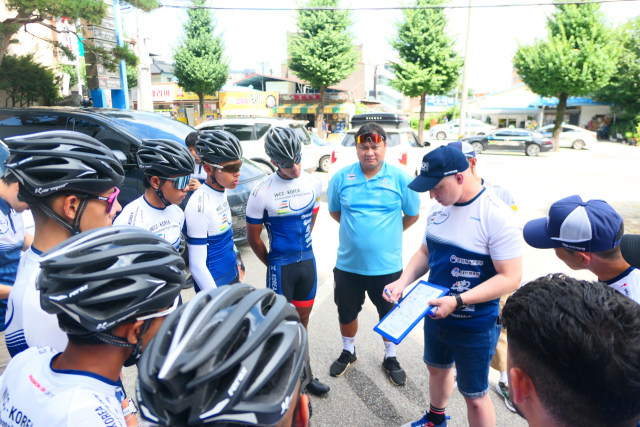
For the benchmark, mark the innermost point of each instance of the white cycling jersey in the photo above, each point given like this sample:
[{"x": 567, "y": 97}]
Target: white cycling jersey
[
  {"x": 503, "y": 194},
  {"x": 627, "y": 283},
  {"x": 34, "y": 395},
  {"x": 12, "y": 235},
  {"x": 166, "y": 223}
]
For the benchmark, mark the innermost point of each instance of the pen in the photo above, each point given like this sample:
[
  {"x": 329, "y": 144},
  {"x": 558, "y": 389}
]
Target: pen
[{"x": 388, "y": 292}]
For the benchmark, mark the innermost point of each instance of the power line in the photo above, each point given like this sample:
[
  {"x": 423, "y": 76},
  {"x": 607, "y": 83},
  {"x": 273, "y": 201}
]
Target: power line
[{"x": 312, "y": 9}]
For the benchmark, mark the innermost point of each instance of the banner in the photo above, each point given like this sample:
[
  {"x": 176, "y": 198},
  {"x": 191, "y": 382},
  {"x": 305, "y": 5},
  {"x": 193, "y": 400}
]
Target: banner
[{"x": 247, "y": 100}]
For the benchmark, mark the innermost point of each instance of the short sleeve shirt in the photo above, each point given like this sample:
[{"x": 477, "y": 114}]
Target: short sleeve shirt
[
  {"x": 371, "y": 218},
  {"x": 463, "y": 241},
  {"x": 12, "y": 234},
  {"x": 627, "y": 283},
  {"x": 503, "y": 194}
]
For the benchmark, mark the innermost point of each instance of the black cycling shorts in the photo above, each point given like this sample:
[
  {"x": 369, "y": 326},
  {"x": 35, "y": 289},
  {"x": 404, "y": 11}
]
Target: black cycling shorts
[
  {"x": 296, "y": 281},
  {"x": 350, "y": 289}
]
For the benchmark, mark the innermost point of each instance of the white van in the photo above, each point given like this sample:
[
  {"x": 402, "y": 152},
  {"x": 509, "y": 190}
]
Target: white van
[{"x": 251, "y": 132}]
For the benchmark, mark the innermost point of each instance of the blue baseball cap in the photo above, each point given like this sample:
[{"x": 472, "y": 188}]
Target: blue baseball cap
[
  {"x": 466, "y": 148},
  {"x": 590, "y": 226},
  {"x": 437, "y": 164}
]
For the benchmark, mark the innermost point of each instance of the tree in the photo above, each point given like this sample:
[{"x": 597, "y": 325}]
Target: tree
[
  {"x": 429, "y": 64},
  {"x": 41, "y": 11},
  {"x": 199, "y": 62},
  {"x": 577, "y": 58},
  {"x": 322, "y": 52},
  {"x": 25, "y": 81},
  {"x": 623, "y": 89}
]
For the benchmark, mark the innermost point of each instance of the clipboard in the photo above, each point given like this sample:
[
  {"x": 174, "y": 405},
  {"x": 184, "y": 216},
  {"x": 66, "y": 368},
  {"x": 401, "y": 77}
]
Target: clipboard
[{"x": 401, "y": 320}]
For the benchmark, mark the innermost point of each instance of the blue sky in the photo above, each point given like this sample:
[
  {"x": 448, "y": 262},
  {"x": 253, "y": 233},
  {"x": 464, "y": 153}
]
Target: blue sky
[{"x": 252, "y": 36}]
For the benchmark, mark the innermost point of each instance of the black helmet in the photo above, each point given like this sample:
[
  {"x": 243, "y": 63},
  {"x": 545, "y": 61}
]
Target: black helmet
[
  {"x": 104, "y": 276},
  {"x": 218, "y": 146},
  {"x": 232, "y": 354},
  {"x": 164, "y": 157},
  {"x": 49, "y": 162},
  {"x": 282, "y": 144}
]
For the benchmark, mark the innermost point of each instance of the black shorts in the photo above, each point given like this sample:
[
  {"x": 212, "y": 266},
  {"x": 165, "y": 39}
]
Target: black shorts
[
  {"x": 349, "y": 293},
  {"x": 296, "y": 281}
]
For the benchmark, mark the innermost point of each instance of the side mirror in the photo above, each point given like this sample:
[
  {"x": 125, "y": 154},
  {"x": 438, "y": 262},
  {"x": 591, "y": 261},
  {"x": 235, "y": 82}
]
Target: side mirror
[{"x": 120, "y": 156}]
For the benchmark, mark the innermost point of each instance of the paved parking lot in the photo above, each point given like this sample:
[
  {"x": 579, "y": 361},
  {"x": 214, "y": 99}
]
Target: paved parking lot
[{"x": 364, "y": 396}]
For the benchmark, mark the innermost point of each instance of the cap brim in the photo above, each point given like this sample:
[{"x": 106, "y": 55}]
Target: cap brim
[
  {"x": 423, "y": 183},
  {"x": 535, "y": 234},
  {"x": 630, "y": 247}
]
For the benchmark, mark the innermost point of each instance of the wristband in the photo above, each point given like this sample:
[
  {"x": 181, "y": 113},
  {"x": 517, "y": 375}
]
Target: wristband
[{"x": 131, "y": 409}]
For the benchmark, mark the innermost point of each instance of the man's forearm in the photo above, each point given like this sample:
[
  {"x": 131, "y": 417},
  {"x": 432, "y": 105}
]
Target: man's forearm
[
  {"x": 418, "y": 266},
  {"x": 260, "y": 249},
  {"x": 501, "y": 284},
  {"x": 4, "y": 291},
  {"x": 336, "y": 216},
  {"x": 408, "y": 221}
]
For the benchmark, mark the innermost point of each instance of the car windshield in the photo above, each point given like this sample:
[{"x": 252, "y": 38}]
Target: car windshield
[
  {"x": 301, "y": 132},
  {"x": 4, "y": 152},
  {"x": 150, "y": 125},
  {"x": 318, "y": 141},
  {"x": 250, "y": 170},
  {"x": 349, "y": 139}
]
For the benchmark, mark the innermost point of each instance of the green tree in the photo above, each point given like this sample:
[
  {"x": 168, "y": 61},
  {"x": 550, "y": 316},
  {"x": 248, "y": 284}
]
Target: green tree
[
  {"x": 25, "y": 81},
  {"x": 132, "y": 77},
  {"x": 199, "y": 62},
  {"x": 577, "y": 58},
  {"x": 623, "y": 89},
  {"x": 42, "y": 11},
  {"x": 322, "y": 52},
  {"x": 429, "y": 64}
]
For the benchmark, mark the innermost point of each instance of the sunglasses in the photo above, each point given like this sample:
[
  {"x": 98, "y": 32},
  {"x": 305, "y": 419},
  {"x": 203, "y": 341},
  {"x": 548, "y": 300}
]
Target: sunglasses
[
  {"x": 289, "y": 164},
  {"x": 181, "y": 182},
  {"x": 162, "y": 313},
  {"x": 111, "y": 200},
  {"x": 232, "y": 168},
  {"x": 369, "y": 137}
]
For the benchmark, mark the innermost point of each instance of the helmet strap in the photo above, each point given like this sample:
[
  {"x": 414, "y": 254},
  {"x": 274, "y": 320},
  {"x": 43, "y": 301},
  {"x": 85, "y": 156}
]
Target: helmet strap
[
  {"x": 160, "y": 195},
  {"x": 123, "y": 342},
  {"x": 74, "y": 228}
]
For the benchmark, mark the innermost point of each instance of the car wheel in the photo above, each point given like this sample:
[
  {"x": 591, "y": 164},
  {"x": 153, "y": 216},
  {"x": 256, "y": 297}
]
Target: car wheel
[
  {"x": 441, "y": 135},
  {"x": 478, "y": 147},
  {"x": 325, "y": 161},
  {"x": 532, "y": 150},
  {"x": 578, "y": 144}
]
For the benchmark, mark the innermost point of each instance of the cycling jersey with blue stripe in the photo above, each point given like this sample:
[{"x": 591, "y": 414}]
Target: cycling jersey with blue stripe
[
  {"x": 11, "y": 243},
  {"x": 166, "y": 223},
  {"x": 208, "y": 218}
]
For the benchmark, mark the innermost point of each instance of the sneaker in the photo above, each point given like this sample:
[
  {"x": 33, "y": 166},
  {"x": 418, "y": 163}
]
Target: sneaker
[
  {"x": 345, "y": 360},
  {"x": 503, "y": 391},
  {"x": 317, "y": 388},
  {"x": 396, "y": 373},
  {"x": 422, "y": 422}
]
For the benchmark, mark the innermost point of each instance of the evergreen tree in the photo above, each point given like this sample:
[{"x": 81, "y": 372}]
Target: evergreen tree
[
  {"x": 24, "y": 81},
  {"x": 322, "y": 52},
  {"x": 199, "y": 62},
  {"x": 429, "y": 64}
]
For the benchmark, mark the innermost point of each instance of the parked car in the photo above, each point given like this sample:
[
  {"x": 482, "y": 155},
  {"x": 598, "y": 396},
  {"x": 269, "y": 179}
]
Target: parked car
[
  {"x": 572, "y": 136},
  {"x": 323, "y": 150},
  {"x": 451, "y": 129},
  {"x": 532, "y": 143},
  {"x": 251, "y": 132},
  {"x": 123, "y": 131},
  {"x": 403, "y": 151}
]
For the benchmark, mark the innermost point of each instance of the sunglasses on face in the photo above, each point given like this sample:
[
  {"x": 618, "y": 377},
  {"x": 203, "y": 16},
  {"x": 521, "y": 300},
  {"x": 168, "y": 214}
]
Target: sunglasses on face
[
  {"x": 289, "y": 164},
  {"x": 162, "y": 313},
  {"x": 369, "y": 137},
  {"x": 181, "y": 182},
  {"x": 111, "y": 200},
  {"x": 232, "y": 168}
]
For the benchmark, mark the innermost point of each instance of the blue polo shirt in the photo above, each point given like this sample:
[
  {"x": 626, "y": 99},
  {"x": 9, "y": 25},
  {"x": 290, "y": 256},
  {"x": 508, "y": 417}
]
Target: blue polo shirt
[
  {"x": 11, "y": 242},
  {"x": 371, "y": 218}
]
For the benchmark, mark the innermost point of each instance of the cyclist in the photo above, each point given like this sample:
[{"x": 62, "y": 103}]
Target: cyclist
[
  {"x": 212, "y": 257},
  {"x": 167, "y": 168},
  {"x": 110, "y": 289},
  {"x": 70, "y": 182},
  {"x": 198, "y": 174},
  {"x": 260, "y": 382},
  {"x": 287, "y": 203}
]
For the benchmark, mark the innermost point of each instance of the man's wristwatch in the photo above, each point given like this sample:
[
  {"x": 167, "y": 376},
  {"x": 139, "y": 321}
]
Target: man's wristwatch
[{"x": 461, "y": 305}]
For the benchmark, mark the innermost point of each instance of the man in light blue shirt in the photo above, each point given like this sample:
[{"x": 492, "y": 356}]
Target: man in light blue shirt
[{"x": 368, "y": 199}]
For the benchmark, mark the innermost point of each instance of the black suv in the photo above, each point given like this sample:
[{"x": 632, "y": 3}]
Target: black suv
[{"x": 123, "y": 132}]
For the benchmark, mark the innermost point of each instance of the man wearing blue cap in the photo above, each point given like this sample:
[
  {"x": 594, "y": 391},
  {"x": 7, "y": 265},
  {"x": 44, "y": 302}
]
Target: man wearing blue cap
[
  {"x": 586, "y": 236},
  {"x": 472, "y": 246}
]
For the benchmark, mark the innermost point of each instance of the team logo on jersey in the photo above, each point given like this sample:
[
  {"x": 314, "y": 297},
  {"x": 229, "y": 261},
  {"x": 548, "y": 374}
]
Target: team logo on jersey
[
  {"x": 351, "y": 176},
  {"x": 283, "y": 208},
  {"x": 454, "y": 259},
  {"x": 439, "y": 217},
  {"x": 224, "y": 222},
  {"x": 4, "y": 226},
  {"x": 461, "y": 286},
  {"x": 456, "y": 272},
  {"x": 384, "y": 182},
  {"x": 307, "y": 221}
]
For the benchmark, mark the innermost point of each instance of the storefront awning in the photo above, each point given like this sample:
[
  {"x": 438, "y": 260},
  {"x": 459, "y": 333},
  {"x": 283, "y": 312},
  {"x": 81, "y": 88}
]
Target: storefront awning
[
  {"x": 311, "y": 109},
  {"x": 257, "y": 112}
]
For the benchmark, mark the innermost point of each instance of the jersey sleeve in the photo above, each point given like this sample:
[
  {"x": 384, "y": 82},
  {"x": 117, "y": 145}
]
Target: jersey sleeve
[
  {"x": 179, "y": 214},
  {"x": 122, "y": 218},
  {"x": 318, "y": 190},
  {"x": 507, "y": 197},
  {"x": 197, "y": 220},
  {"x": 256, "y": 204},
  {"x": 333, "y": 193},
  {"x": 410, "y": 199},
  {"x": 505, "y": 235}
]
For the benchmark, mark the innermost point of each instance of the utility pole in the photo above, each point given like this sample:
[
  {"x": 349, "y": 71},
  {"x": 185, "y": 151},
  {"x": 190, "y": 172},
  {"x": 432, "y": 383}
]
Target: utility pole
[
  {"x": 465, "y": 73},
  {"x": 145, "y": 100}
]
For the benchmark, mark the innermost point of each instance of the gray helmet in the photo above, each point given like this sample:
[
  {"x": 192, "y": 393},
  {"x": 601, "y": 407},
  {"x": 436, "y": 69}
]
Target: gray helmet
[
  {"x": 164, "y": 157},
  {"x": 232, "y": 354},
  {"x": 282, "y": 144},
  {"x": 218, "y": 146}
]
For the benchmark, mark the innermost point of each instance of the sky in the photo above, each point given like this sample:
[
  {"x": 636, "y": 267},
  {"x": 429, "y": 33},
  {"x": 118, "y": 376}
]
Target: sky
[{"x": 255, "y": 36}]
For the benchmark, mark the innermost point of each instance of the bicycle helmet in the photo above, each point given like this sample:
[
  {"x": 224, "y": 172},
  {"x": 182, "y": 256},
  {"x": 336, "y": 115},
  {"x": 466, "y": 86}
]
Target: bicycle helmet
[
  {"x": 282, "y": 144},
  {"x": 231, "y": 355},
  {"x": 102, "y": 277},
  {"x": 164, "y": 157},
  {"x": 218, "y": 146}
]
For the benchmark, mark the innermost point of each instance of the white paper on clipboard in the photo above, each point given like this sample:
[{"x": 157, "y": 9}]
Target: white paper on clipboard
[{"x": 412, "y": 307}]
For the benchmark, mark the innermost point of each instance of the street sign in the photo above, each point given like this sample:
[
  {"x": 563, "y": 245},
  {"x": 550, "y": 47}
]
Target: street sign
[
  {"x": 99, "y": 33},
  {"x": 89, "y": 56},
  {"x": 104, "y": 83},
  {"x": 99, "y": 70}
]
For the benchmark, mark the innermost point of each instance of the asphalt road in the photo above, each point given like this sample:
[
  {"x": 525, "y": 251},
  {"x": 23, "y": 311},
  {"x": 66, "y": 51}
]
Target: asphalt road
[{"x": 364, "y": 396}]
